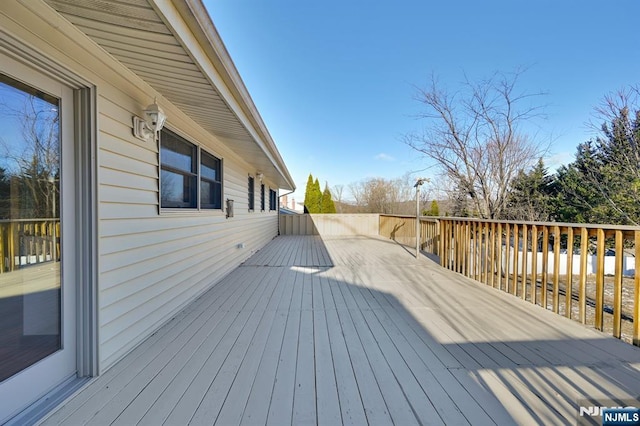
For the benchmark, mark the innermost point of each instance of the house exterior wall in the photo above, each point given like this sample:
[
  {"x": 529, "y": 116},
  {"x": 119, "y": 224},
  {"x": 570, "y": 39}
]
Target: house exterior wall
[{"x": 150, "y": 263}]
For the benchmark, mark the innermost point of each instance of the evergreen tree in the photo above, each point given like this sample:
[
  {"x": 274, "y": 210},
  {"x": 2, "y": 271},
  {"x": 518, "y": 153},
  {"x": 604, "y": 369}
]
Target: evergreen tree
[
  {"x": 308, "y": 195},
  {"x": 531, "y": 195},
  {"x": 328, "y": 205},
  {"x": 603, "y": 184},
  {"x": 434, "y": 210},
  {"x": 576, "y": 200},
  {"x": 317, "y": 197},
  {"x": 312, "y": 196}
]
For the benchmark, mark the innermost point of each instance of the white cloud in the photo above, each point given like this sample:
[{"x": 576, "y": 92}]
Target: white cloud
[
  {"x": 384, "y": 157},
  {"x": 554, "y": 161}
]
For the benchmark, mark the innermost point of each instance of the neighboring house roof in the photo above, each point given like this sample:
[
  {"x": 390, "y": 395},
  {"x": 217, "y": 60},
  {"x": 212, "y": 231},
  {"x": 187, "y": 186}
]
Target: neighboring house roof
[
  {"x": 284, "y": 210},
  {"x": 175, "y": 48}
]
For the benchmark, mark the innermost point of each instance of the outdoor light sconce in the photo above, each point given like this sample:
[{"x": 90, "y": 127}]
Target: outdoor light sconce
[
  {"x": 229, "y": 208},
  {"x": 151, "y": 123},
  {"x": 260, "y": 176}
]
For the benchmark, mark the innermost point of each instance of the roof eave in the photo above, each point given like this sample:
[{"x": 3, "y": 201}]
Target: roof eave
[{"x": 196, "y": 17}]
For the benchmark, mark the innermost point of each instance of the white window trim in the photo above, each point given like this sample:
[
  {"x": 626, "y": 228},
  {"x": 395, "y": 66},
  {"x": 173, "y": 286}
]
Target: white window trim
[{"x": 191, "y": 211}]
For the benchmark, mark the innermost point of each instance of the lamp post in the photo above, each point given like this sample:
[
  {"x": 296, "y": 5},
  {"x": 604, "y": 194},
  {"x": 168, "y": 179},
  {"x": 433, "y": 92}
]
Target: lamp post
[{"x": 417, "y": 186}]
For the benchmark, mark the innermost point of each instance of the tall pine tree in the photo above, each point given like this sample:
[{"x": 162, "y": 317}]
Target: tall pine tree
[
  {"x": 434, "y": 210},
  {"x": 308, "y": 194},
  {"x": 312, "y": 196},
  {"x": 317, "y": 197},
  {"x": 531, "y": 195},
  {"x": 328, "y": 206}
]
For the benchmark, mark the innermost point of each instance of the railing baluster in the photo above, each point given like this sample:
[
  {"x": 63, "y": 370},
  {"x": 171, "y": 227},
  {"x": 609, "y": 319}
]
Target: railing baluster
[
  {"x": 534, "y": 264},
  {"x": 450, "y": 248},
  {"x": 470, "y": 249},
  {"x": 3, "y": 235},
  {"x": 516, "y": 250},
  {"x": 445, "y": 245},
  {"x": 492, "y": 256},
  {"x": 599, "y": 278},
  {"x": 582, "y": 292},
  {"x": 507, "y": 239},
  {"x": 485, "y": 264},
  {"x": 477, "y": 247},
  {"x": 636, "y": 292},
  {"x": 525, "y": 261},
  {"x": 454, "y": 245},
  {"x": 545, "y": 266},
  {"x": 463, "y": 252},
  {"x": 13, "y": 237},
  {"x": 568, "y": 295},
  {"x": 617, "y": 285},
  {"x": 556, "y": 269},
  {"x": 498, "y": 258}
]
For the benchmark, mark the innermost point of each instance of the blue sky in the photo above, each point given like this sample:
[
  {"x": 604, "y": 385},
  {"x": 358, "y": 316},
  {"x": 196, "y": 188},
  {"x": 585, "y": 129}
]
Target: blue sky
[{"x": 335, "y": 81}]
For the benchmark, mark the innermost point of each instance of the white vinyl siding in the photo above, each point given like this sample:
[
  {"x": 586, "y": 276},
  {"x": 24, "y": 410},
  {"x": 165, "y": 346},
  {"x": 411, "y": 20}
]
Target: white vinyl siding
[{"x": 152, "y": 265}]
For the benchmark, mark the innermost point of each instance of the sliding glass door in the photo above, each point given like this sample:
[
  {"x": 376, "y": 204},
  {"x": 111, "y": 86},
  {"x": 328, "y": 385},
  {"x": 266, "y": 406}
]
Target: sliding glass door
[{"x": 37, "y": 286}]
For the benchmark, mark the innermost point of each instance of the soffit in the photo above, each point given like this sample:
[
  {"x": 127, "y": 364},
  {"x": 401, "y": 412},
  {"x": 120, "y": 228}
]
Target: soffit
[{"x": 138, "y": 36}]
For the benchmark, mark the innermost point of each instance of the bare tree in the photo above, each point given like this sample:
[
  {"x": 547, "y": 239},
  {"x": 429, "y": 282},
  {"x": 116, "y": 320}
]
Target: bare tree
[
  {"x": 379, "y": 195},
  {"x": 32, "y": 164},
  {"x": 337, "y": 196},
  {"x": 475, "y": 137}
]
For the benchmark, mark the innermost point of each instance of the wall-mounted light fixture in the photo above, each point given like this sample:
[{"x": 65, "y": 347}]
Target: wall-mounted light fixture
[
  {"x": 260, "y": 176},
  {"x": 150, "y": 124},
  {"x": 229, "y": 208}
]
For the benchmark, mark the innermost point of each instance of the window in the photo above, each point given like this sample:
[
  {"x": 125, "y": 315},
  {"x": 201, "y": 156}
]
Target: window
[
  {"x": 183, "y": 165},
  {"x": 210, "y": 182},
  {"x": 273, "y": 200},
  {"x": 251, "y": 192},
  {"x": 262, "y": 197}
]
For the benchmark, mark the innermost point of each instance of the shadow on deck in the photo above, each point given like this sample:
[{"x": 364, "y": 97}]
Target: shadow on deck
[{"x": 356, "y": 331}]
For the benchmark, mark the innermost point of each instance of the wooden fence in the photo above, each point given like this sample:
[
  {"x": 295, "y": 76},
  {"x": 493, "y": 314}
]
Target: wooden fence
[
  {"x": 28, "y": 241},
  {"x": 329, "y": 224},
  {"x": 403, "y": 230}
]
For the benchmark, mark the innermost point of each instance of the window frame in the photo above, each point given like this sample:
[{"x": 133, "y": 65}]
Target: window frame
[
  {"x": 217, "y": 181},
  {"x": 262, "y": 200},
  {"x": 196, "y": 158},
  {"x": 251, "y": 193},
  {"x": 273, "y": 199}
]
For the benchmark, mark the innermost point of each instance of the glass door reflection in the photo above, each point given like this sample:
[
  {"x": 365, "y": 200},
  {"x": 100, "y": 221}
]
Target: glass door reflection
[{"x": 30, "y": 290}]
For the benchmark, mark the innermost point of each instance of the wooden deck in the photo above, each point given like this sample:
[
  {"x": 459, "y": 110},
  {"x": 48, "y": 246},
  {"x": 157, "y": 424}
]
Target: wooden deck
[{"x": 356, "y": 331}]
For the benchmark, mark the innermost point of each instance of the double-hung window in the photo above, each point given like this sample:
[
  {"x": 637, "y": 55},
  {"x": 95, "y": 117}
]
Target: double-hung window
[
  {"x": 210, "y": 181},
  {"x": 262, "y": 197},
  {"x": 190, "y": 178},
  {"x": 273, "y": 200}
]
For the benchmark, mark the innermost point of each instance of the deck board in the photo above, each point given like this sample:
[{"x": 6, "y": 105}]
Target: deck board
[{"x": 314, "y": 330}]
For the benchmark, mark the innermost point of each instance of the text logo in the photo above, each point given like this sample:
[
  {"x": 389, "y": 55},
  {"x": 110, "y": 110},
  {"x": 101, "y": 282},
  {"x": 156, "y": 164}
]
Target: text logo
[{"x": 628, "y": 416}]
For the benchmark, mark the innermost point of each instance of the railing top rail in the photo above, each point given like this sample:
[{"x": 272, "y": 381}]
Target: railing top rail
[
  {"x": 559, "y": 224},
  {"x": 44, "y": 219},
  {"x": 408, "y": 216}
]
